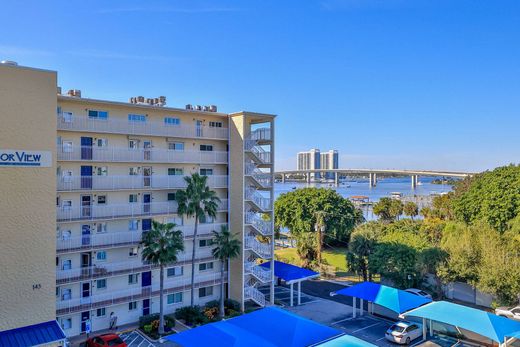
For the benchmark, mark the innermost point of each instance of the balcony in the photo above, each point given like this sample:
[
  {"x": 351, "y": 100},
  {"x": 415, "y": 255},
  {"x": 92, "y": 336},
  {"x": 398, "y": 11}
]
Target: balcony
[
  {"x": 122, "y": 126},
  {"x": 109, "y": 269},
  {"x": 260, "y": 272},
  {"x": 261, "y": 134},
  {"x": 264, "y": 250},
  {"x": 107, "y": 183},
  {"x": 115, "y": 211},
  {"x": 124, "y": 296},
  {"x": 258, "y": 153},
  {"x": 259, "y": 201},
  {"x": 262, "y": 226},
  {"x": 122, "y": 238},
  {"x": 139, "y": 155},
  {"x": 261, "y": 179}
]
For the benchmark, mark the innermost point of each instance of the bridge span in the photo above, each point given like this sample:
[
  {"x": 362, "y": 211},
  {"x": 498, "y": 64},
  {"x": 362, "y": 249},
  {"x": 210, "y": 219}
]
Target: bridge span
[{"x": 372, "y": 174}]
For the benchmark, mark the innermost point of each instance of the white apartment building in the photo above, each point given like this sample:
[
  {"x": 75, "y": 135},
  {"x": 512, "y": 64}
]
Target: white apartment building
[
  {"x": 314, "y": 159},
  {"x": 117, "y": 167}
]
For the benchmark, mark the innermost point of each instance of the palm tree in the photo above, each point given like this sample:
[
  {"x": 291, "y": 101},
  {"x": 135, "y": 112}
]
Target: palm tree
[
  {"x": 226, "y": 247},
  {"x": 160, "y": 247},
  {"x": 198, "y": 201}
]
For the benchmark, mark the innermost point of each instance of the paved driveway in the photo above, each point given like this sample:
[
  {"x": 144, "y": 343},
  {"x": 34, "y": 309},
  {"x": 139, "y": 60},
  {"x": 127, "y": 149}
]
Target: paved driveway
[
  {"x": 283, "y": 296},
  {"x": 134, "y": 339}
]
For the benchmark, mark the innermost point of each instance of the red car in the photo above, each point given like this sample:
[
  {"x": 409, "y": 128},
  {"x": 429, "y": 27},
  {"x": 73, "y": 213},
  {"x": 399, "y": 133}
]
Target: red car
[{"x": 106, "y": 340}]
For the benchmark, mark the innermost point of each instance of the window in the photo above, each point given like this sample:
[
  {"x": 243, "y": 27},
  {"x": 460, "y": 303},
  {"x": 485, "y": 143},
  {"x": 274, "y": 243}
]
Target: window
[
  {"x": 205, "y": 243},
  {"x": 66, "y": 294},
  {"x": 66, "y": 205},
  {"x": 206, "y": 172},
  {"x": 136, "y": 117},
  {"x": 101, "y": 284},
  {"x": 174, "y": 298},
  {"x": 101, "y": 255},
  {"x": 215, "y": 124},
  {"x": 132, "y": 306},
  {"x": 101, "y": 312},
  {"x": 132, "y": 198},
  {"x": 133, "y": 144},
  {"x": 175, "y": 271},
  {"x": 103, "y": 143},
  {"x": 206, "y": 266},
  {"x": 171, "y": 196},
  {"x": 205, "y": 291},
  {"x": 66, "y": 323},
  {"x": 67, "y": 146},
  {"x": 66, "y": 264},
  {"x": 102, "y": 170},
  {"x": 97, "y": 114},
  {"x": 176, "y": 146},
  {"x": 132, "y": 252},
  {"x": 172, "y": 121},
  {"x": 101, "y": 227},
  {"x": 206, "y": 148},
  {"x": 102, "y": 199},
  {"x": 133, "y": 278},
  {"x": 133, "y": 225},
  {"x": 57, "y": 291},
  {"x": 134, "y": 171},
  {"x": 172, "y": 171}
]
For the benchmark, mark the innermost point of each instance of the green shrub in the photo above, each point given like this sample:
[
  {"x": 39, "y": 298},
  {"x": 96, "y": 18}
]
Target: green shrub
[
  {"x": 147, "y": 328},
  {"x": 231, "y": 304},
  {"x": 191, "y": 315},
  {"x": 148, "y": 319}
]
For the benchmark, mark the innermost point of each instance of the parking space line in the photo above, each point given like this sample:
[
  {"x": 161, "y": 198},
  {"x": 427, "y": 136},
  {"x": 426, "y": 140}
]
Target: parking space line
[
  {"x": 343, "y": 320},
  {"x": 141, "y": 343},
  {"x": 133, "y": 340},
  {"x": 381, "y": 338},
  {"x": 369, "y": 326}
]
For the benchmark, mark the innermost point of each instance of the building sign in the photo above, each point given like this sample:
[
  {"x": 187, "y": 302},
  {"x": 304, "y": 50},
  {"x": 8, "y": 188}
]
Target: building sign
[{"x": 14, "y": 157}]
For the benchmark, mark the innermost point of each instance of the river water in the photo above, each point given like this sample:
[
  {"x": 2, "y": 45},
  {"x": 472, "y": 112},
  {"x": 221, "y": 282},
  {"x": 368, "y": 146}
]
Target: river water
[{"x": 385, "y": 186}]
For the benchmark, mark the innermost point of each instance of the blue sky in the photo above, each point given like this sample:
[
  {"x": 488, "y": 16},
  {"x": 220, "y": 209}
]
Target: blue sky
[{"x": 389, "y": 83}]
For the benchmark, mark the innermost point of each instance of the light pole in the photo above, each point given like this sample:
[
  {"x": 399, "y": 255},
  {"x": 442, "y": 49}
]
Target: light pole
[{"x": 319, "y": 228}]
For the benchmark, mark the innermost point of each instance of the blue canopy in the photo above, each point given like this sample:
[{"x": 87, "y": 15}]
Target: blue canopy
[
  {"x": 394, "y": 299},
  {"x": 480, "y": 322},
  {"x": 345, "y": 340},
  {"x": 32, "y": 335},
  {"x": 290, "y": 273},
  {"x": 268, "y": 327}
]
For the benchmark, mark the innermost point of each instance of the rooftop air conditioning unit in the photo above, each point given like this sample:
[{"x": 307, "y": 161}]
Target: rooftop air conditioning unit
[
  {"x": 199, "y": 108},
  {"x": 213, "y": 108},
  {"x": 59, "y": 91},
  {"x": 189, "y": 107},
  {"x": 206, "y": 108},
  {"x": 162, "y": 100},
  {"x": 140, "y": 99}
]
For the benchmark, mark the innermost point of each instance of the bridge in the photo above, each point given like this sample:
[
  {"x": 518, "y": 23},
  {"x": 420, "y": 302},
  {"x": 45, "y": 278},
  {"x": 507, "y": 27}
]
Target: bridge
[{"x": 372, "y": 174}]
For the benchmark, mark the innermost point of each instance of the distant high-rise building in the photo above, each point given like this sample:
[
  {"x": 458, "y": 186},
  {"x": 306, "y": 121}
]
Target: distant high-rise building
[{"x": 314, "y": 160}]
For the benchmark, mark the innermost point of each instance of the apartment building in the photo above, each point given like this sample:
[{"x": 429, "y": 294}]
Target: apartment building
[
  {"x": 314, "y": 159},
  {"x": 116, "y": 166}
]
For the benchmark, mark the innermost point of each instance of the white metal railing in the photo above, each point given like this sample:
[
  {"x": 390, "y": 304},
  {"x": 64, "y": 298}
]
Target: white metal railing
[
  {"x": 264, "y": 179},
  {"x": 122, "y": 126},
  {"x": 261, "y": 134},
  {"x": 116, "y": 182},
  {"x": 255, "y": 295},
  {"x": 112, "y": 211},
  {"x": 112, "y": 297},
  {"x": 150, "y": 155},
  {"x": 264, "y": 203},
  {"x": 261, "y": 154},
  {"x": 262, "y": 249},
  {"x": 263, "y": 226},
  {"x": 111, "y": 239},
  {"x": 258, "y": 271}
]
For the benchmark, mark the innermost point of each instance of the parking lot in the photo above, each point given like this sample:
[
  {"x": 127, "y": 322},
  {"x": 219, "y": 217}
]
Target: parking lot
[
  {"x": 134, "y": 339},
  {"x": 282, "y": 295},
  {"x": 369, "y": 328}
]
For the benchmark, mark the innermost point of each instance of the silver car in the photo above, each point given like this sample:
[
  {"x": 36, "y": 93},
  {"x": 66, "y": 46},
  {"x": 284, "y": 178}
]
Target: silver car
[
  {"x": 404, "y": 332},
  {"x": 509, "y": 312}
]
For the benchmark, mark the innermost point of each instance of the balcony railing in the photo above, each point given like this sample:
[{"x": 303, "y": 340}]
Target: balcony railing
[
  {"x": 258, "y": 271},
  {"x": 73, "y": 183},
  {"x": 262, "y": 249},
  {"x": 261, "y": 155},
  {"x": 255, "y": 219},
  {"x": 123, "y": 238},
  {"x": 261, "y": 134},
  {"x": 262, "y": 202},
  {"x": 150, "y": 155},
  {"x": 122, "y": 126},
  {"x": 115, "y": 297},
  {"x": 255, "y": 295},
  {"x": 108, "y": 269},
  {"x": 113, "y": 211},
  {"x": 264, "y": 180}
]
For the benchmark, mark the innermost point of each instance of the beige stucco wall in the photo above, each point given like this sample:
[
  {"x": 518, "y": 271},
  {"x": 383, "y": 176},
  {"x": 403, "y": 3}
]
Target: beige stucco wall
[{"x": 27, "y": 204}]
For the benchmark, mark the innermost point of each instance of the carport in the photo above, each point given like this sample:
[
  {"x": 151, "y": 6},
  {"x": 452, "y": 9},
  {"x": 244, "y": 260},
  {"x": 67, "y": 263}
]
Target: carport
[
  {"x": 291, "y": 274},
  {"x": 345, "y": 340},
  {"x": 489, "y": 325},
  {"x": 393, "y": 299}
]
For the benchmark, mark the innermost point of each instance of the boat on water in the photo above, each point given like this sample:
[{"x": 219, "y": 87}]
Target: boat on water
[{"x": 396, "y": 195}]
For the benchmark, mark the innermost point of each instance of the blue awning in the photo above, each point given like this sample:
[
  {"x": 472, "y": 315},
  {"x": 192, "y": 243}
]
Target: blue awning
[
  {"x": 32, "y": 335},
  {"x": 268, "y": 327},
  {"x": 290, "y": 273},
  {"x": 345, "y": 340},
  {"x": 480, "y": 322},
  {"x": 393, "y": 299}
]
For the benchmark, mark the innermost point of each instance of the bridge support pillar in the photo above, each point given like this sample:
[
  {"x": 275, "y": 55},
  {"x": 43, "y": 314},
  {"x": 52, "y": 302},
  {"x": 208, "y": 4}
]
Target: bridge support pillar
[
  {"x": 372, "y": 179},
  {"x": 415, "y": 181},
  {"x": 336, "y": 178},
  {"x": 283, "y": 178},
  {"x": 308, "y": 177}
]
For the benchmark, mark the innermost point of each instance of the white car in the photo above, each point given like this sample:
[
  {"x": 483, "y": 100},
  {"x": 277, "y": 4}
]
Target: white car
[
  {"x": 509, "y": 312},
  {"x": 418, "y": 292},
  {"x": 404, "y": 332}
]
